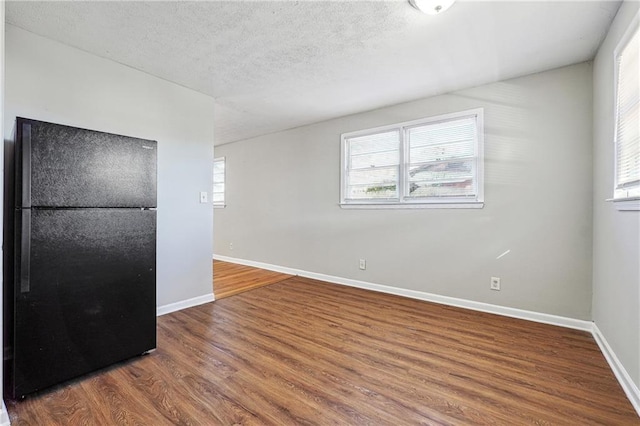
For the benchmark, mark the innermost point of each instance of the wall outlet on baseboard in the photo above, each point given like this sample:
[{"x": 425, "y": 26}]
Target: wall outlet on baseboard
[
  {"x": 363, "y": 264},
  {"x": 230, "y": 246},
  {"x": 495, "y": 283}
]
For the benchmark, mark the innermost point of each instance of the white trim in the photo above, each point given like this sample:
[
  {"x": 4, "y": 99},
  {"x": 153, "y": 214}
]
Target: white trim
[
  {"x": 261, "y": 265},
  {"x": 434, "y": 205},
  {"x": 629, "y": 387},
  {"x": 629, "y": 204},
  {"x": 4, "y": 416},
  {"x": 184, "y": 304},
  {"x": 420, "y": 295}
]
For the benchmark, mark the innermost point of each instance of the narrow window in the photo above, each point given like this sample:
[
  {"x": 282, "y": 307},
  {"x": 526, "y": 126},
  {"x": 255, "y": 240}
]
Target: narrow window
[{"x": 218, "y": 182}]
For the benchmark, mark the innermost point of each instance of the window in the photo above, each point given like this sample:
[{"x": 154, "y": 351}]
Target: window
[
  {"x": 218, "y": 182},
  {"x": 434, "y": 162},
  {"x": 627, "y": 131}
]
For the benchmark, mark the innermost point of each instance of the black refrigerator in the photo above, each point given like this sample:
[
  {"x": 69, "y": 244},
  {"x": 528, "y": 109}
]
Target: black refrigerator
[{"x": 83, "y": 294}]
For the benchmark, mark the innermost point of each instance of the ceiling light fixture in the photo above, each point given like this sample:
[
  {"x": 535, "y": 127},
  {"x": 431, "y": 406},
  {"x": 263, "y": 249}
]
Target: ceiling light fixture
[{"x": 431, "y": 7}]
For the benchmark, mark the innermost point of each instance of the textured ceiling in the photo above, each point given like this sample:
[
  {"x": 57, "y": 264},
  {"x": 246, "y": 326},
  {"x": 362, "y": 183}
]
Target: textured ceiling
[{"x": 274, "y": 65}]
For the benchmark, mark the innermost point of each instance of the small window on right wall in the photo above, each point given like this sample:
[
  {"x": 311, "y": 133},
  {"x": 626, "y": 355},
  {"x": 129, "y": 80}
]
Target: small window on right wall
[{"x": 626, "y": 191}]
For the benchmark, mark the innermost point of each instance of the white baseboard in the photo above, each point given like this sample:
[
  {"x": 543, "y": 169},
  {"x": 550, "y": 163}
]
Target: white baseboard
[
  {"x": 261, "y": 265},
  {"x": 420, "y": 295},
  {"x": 4, "y": 416},
  {"x": 184, "y": 304},
  {"x": 629, "y": 387}
]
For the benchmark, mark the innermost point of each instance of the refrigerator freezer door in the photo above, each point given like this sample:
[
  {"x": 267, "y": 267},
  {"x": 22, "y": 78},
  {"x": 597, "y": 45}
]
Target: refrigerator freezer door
[
  {"x": 62, "y": 166},
  {"x": 91, "y": 298}
]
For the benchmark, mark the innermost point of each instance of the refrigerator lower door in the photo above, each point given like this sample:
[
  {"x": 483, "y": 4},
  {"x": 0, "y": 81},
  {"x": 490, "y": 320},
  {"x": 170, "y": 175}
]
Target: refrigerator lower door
[{"x": 90, "y": 299}]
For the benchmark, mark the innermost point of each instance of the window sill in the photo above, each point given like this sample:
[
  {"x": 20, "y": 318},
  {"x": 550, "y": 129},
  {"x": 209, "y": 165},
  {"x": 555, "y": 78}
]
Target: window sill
[
  {"x": 219, "y": 206},
  {"x": 626, "y": 204},
  {"x": 372, "y": 206}
]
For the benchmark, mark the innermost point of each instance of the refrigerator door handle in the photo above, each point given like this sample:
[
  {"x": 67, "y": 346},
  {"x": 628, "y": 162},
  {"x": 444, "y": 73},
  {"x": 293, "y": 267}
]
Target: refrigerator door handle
[
  {"x": 26, "y": 164},
  {"x": 25, "y": 258}
]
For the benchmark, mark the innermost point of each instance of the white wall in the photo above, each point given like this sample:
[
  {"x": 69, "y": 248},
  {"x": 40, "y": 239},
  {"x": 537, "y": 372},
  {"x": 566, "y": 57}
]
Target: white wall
[
  {"x": 616, "y": 234},
  {"x": 283, "y": 192},
  {"x": 46, "y": 80},
  {"x": 4, "y": 417}
]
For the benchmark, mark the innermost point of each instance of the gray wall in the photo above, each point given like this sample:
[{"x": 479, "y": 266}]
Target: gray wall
[
  {"x": 616, "y": 234},
  {"x": 283, "y": 193},
  {"x": 3, "y": 413},
  {"x": 49, "y": 81}
]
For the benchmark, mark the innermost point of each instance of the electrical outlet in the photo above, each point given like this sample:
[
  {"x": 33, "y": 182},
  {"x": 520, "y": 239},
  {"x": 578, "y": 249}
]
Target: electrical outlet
[
  {"x": 230, "y": 246},
  {"x": 495, "y": 283},
  {"x": 363, "y": 264}
]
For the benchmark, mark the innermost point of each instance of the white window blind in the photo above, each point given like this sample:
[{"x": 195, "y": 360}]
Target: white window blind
[
  {"x": 422, "y": 163},
  {"x": 627, "y": 132},
  {"x": 442, "y": 159},
  {"x": 374, "y": 160},
  {"x": 218, "y": 181}
]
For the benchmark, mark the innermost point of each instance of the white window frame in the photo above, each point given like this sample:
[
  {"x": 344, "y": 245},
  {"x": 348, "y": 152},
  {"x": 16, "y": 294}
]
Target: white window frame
[
  {"x": 630, "y": 199},
  {"x": 403, "y": 202},
  {"x": 218, "y": 204}
]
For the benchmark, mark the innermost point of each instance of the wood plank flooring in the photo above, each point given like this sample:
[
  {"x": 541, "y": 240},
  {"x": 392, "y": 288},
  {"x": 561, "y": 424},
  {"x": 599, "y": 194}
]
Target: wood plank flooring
[
  {"x": 304, "y": 352},
  {"x": 230, "y": 279}
]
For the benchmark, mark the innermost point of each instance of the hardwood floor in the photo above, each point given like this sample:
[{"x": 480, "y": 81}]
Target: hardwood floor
[
  {"x": 230, "y": 279},
  {"x": 303, "y": 352}
]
